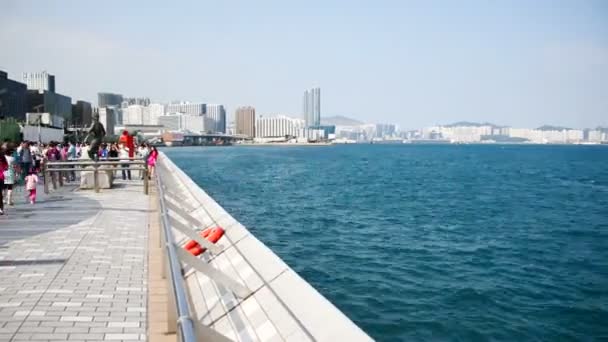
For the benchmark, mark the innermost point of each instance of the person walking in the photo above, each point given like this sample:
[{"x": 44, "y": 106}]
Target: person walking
[
  {"x": 9, "y": 174},
  {"x": 31, "y": 180},
  {"x": 25, "y": 158},
  {"x": 3, "y": 167},
  {"x": 152, "y": 161}
]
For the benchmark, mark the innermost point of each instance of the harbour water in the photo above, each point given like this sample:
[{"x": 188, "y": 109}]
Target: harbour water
[{"x": 465, "y": 242}]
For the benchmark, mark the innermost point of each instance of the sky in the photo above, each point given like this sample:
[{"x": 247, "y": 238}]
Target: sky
[{"x": 413, "y": 63}]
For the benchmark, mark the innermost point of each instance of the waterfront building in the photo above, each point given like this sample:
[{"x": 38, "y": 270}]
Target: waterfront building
[
  {"x": 245, "y": 121},
  {"x": 185, "y": 122},
  {"x": 186, "y": 108},
  {"x": 13, "y": 98},
  {"x": 109, "y": 99},
  {"x": 278, "y": 126},
  {"x": 41, "y": 81},
  {"x": 311, "y": 107},
  {"x": 594, "y": 136},
  {"x": 385, "y": 130},
  {"x": 217, "y": 113}
]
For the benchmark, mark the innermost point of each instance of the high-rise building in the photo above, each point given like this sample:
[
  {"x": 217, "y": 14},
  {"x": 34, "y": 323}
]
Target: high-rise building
[
  {"x": 217, "y": 113},
  {"x": 41, "y": 81},
  {"x": 312, "y": 107},
  {"x": 186, "y": 108},
  {"x": 109, "y": 99},
  {"x": 245, "y": 121},
  {"x": 13, "y": 97}
]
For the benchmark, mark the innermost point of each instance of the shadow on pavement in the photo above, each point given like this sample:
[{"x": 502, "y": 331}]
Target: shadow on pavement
[{"x": 54, "y": 211}]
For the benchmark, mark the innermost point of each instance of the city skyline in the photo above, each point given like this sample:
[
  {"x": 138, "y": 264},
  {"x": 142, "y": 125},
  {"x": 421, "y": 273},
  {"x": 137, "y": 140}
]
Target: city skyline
[{"x": 414, "y": 64}]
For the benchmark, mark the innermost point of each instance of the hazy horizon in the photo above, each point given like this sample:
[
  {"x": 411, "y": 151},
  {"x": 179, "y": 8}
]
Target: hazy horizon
[{"x": 415, "y": 64}]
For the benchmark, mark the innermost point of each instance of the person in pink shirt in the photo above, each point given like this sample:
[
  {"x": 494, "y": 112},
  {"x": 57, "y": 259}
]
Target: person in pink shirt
[
  {"x": 152, "y": 161},
  {"x": 31, "y": 180}
]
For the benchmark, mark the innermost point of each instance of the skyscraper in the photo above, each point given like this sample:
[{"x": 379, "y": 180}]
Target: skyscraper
[
  {"x": 217, "y": 113},
  {"x": 245, "y": 121},
  {"x": 312, "y": 107}
]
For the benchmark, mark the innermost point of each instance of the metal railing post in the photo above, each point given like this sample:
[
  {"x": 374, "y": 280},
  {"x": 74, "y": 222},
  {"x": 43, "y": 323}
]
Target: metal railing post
[
  {"x": 60, "y": 173},
  {"x": 96, "y": 177},
  {"x": 46, "y": 178},
  {"x": 146, "y": 180},
  {"x": 171, "y": 305},
  {"x": 178, "y": 304}
]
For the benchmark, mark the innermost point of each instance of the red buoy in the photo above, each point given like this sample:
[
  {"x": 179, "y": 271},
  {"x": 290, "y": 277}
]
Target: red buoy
[{"x": 211, "y": 234}]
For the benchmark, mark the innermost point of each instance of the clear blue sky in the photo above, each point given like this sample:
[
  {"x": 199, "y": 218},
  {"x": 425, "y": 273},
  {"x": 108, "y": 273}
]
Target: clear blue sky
[{"x": 414, "y": 63}]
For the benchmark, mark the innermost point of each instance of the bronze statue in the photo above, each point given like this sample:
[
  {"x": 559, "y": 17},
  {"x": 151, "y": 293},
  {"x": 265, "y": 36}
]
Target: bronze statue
[{"x": 97, "y": 132}]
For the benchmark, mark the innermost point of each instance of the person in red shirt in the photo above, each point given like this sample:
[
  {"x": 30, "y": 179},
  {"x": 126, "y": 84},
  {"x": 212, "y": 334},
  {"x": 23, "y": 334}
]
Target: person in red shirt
[{"x": 127, "y": 139}]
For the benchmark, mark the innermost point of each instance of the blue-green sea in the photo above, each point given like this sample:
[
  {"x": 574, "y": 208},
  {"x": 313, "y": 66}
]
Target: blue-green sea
[{"x": 414, "y": 242}]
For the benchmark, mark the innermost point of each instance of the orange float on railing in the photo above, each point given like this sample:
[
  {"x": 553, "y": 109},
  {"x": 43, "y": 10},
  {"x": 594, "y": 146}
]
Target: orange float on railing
[{"x": 211, "y": 234}]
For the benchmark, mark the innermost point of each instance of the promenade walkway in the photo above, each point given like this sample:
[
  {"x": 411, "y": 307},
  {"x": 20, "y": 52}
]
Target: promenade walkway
[{"x": 74, "y": 266}]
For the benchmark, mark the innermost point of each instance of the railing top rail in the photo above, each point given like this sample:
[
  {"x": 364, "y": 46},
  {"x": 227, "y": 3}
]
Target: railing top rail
[
  {"x": 92, "y": 162},
  {"x": 184, "y": 320}
]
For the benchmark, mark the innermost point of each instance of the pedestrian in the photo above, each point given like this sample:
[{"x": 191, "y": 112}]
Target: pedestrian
[
  {"x": 25, "y": 158},
  {"x": 31, "y": 180},
  {"x": 143, "y": 152},
  {"x": 53, "y": 155},
  {"x": 123, "y": 154},
  {"x": 72, "y": 156},
  {"x": 3, "y": 167},
  {"x": 9, "y": 173},
  {"x": 152, "y": 161}
]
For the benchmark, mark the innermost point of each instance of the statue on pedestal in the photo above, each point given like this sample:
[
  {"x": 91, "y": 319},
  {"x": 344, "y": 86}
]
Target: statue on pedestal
[{"x": 97, "y": 132}]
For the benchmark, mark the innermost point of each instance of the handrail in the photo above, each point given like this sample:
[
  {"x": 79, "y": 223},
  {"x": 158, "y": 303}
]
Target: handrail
[
  {"x": 185, "y": 323},
  {"x": 133, "y": 164}
]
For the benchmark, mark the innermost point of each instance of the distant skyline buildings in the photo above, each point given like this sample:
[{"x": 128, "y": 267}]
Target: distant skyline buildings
[
  {"x": 142, "y": 101},
  {"x": 311, "y": 107},
  {"x": 245, "y": 121},
  {"x": 192, "y": 108},
  {"x": 109, "y": 99},
  {"x": 41, "y": 81}
]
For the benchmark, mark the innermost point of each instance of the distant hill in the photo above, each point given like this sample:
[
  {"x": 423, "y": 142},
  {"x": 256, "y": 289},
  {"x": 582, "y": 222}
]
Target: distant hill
[{"x": 339, "y": 120}]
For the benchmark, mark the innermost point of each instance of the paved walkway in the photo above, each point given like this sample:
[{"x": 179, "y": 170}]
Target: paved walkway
[{"x": 74, "y": 266}]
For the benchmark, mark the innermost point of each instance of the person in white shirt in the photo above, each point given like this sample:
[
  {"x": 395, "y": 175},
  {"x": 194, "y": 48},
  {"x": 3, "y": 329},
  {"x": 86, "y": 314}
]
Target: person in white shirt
[{"x": 123, "y": 154}]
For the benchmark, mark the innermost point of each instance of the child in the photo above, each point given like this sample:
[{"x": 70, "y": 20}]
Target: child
[{"x": 30, "y": 184}]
